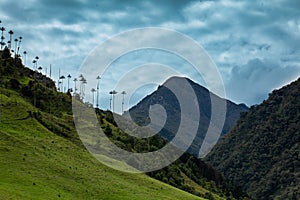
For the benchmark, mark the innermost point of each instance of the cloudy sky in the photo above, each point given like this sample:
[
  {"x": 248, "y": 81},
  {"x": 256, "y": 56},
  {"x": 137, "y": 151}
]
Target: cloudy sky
[{"x": 255, "y": 44}]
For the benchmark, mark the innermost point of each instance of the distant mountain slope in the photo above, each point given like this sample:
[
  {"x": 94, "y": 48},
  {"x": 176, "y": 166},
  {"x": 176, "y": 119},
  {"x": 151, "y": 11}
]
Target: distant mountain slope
[
  {"x": 187, "y": 172},
  {"x": 262, "y": 152},
  {"x": 164, "y": 97}
]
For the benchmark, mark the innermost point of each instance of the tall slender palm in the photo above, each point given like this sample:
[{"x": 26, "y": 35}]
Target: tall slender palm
[
  {"x": 98, "y": 80},
  {"x": 25, "y": 53},
  {"x": 84, "y": 82},
  {"x": 58, "y": 82},
  {"x": 2, "y": 43},
  {"x": 110, "y": 99},
  {"x": 20, "y": 39},
  {"x": 123, "y": 93},
  {"x": 40, "y": 69},
  {"x": 34, "y": 64},
  {"x": 75, "y": 88},
  {"x": 114, "y": 92},
  {"x": 37, "y": 59},
  {"x": 93, "y": 91},
  {"x": 62, "y": 83},
  {"x": 69, "y": 76},
  {"x": 81, "y": 79},
  {"x": 9, "y": 44},
  {"x": 16, "y": 44},
  {"x": 10, "y": 38},
  {"x": 2, "y": 36},
  {"x": 58, "y": 85}
]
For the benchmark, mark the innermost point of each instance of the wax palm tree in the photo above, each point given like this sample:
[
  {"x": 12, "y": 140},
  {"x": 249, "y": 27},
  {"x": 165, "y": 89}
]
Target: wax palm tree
[
  {"x": 2, "y": 36},
  {"x": 40, "y": 69},
  {"x": 98, "y": 80},
  {"x": 113, "y": 93},
  {"x": 93, "y": 91},
  {"x": 20, "y": 39},
  {"x": 110, "y": 99},
  {"x": 2, "y": 43},
  {"x": 10, "y": 38},
  {"x": 9, "y": 44},
  {"x": 34, "y": 64},
  {"x": 75, "y": 88},
  {"x": 69, "y": 76},
  {"x": 25, "y": 53},
  {"x": 62, "y": 82},
  {"x": 16, "y": 44},
  {"x": 123, "y": 93},
  {"x": 81, "y": 79},
  {"x": 58, "y": 85},
  {"x": 37, "y": 59},
  {"x": 84, "y": 82}
]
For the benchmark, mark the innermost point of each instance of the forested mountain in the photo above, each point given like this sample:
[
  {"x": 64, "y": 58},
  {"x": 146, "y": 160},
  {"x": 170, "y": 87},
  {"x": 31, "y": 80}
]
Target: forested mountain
[
  {"x": 262, "y": 152},
  {"x": 166, "y": 98}
]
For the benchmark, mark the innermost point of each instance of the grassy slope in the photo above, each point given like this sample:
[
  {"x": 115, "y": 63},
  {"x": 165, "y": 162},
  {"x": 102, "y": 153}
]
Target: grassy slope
[{"x": 37, "y": 164}]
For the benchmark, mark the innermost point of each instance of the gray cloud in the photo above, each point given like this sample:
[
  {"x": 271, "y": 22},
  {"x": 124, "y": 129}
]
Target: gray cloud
[
  {"x": 252, "y": 82},
  {"x": 243, "y": 38}
]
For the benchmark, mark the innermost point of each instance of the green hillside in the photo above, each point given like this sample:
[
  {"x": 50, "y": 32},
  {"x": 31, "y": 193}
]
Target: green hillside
[
  {"x": 38, "y": 164},
  {"x": 261, "y": 153},
  {"x": 41, "y": 155}
]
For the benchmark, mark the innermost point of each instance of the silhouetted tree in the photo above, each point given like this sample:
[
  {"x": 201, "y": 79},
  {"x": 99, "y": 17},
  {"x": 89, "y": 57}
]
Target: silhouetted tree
[
  {"x": 110, "y": 99},
  {"x": 113, "y": 93},
  {"x": 62, "y": 83},
  {"x": 16, "y": 44},
  {"x": 10, "y": 39},
  {"x": 69, "y": 76},
  {"x": 123, "y": 93},
  {"x": 37, "y": 59},
  {"x": 20, "y": 40},
  {"x": 98, "y": 80},
  {"x": 93, "y": 91},
  {"x": 40, "y": 69},
  {"x": 75, "y": 86},
  {"x": 2, "y": 37},
  {"x": 25, "y": 53}
]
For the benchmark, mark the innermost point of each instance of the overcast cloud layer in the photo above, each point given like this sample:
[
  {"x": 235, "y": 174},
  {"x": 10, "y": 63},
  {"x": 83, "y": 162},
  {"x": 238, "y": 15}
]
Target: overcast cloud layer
[{"x": 255, "y": 44}]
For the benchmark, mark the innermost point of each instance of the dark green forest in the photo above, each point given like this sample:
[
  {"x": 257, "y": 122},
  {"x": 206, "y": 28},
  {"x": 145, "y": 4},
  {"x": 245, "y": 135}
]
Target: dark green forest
[{"x": 262, "y": 152}]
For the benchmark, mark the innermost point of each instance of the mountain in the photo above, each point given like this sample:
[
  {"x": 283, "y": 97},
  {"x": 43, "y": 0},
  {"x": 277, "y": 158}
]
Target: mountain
[
  {"x": 262, "y": 152},
  {"x": 165, "y": 97},
  {"x": 42, "y": 156}
]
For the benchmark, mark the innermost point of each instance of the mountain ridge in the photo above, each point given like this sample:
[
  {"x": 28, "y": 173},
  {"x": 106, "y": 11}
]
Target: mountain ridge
[{"x": 166, "y": 98}]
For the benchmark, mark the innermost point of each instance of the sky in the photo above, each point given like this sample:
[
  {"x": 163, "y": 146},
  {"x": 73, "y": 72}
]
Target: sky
[{"x": 254, "y": 44}]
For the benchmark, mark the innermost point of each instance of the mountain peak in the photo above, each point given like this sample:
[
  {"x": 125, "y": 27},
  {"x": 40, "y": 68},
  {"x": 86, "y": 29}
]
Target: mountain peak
[
  {"x": 180, "y": 79},
  {"x": 201, "y": 102}
]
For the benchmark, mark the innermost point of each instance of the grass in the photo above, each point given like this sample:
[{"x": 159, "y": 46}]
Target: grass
[{"x": 38, "y": 164}]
